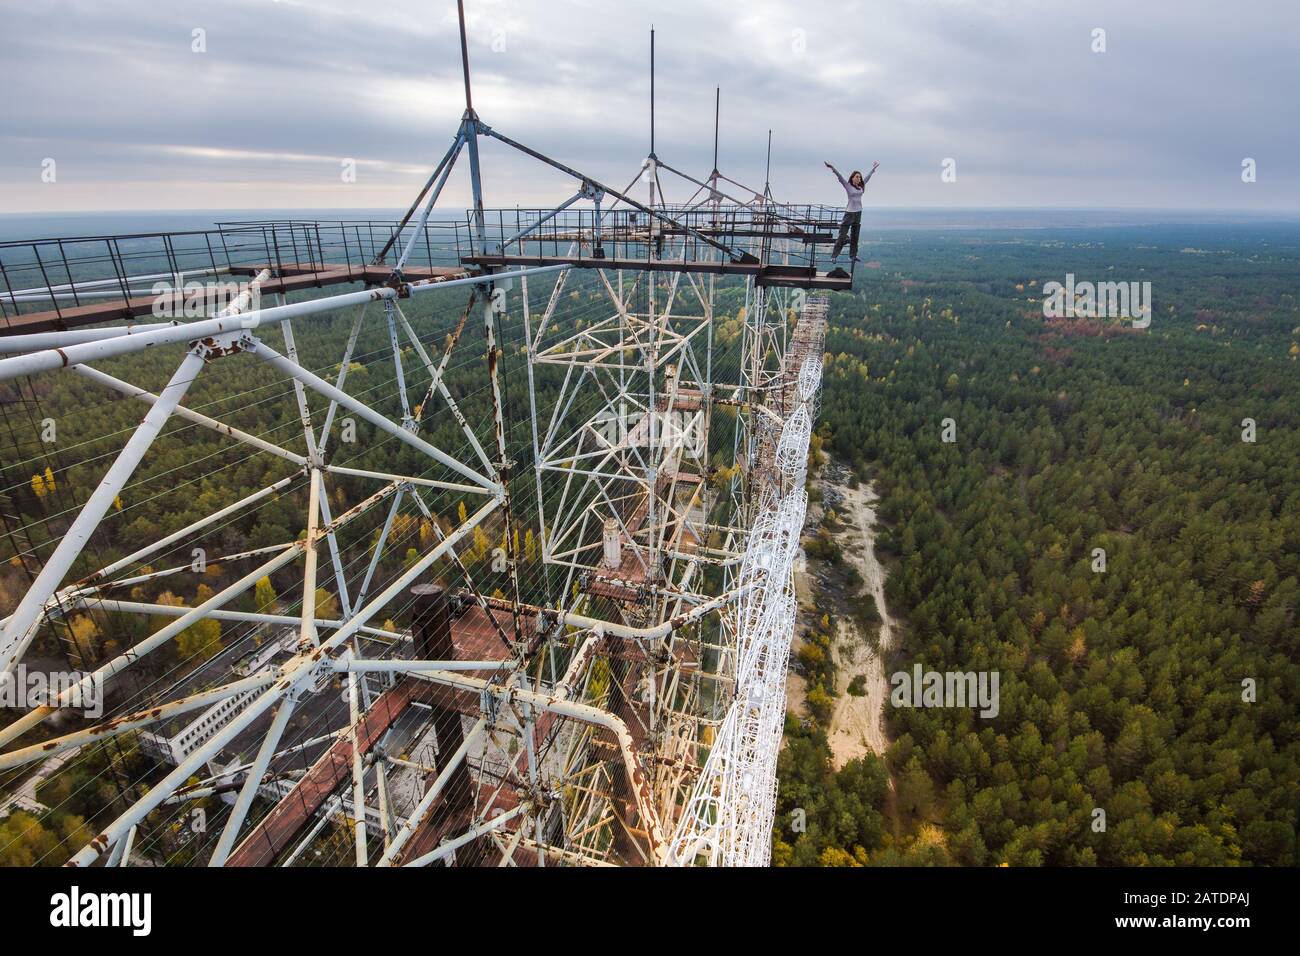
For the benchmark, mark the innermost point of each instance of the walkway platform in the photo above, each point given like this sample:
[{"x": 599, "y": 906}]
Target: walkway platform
[
  {"x": 791, "y": 277},
  {"x": 289, "y": 278}
]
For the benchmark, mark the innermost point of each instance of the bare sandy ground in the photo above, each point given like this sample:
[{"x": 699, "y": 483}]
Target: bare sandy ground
[{"x": 857, "y": 723}]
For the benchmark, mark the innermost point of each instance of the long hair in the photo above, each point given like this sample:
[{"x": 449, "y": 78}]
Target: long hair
[{"x": 857, "y": 174}]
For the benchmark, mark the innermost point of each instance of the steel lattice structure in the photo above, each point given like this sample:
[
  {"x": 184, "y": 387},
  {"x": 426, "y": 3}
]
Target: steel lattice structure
[{"x": 611, "y": 690}]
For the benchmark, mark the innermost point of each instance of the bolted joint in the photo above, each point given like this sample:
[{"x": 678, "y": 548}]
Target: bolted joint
[
  {"x": 489, "y": 706},
  {"x": 225, "y": 343}
]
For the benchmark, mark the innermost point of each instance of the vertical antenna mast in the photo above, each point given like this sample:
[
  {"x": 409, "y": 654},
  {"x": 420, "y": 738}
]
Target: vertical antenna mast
[
  {"x": 652, "y": 91},
  {"x": 464, "y": 56},
  {"x": 767, "y": 176},
  {"x": 469, "y": 129},
  {"x": 717, "y": 107},
  {"x": 652, "y": 161}
]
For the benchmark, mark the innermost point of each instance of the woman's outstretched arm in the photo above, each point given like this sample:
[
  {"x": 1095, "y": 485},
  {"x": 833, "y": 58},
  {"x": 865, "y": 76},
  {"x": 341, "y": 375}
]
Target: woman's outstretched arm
[{"x": 837, "y": 175}]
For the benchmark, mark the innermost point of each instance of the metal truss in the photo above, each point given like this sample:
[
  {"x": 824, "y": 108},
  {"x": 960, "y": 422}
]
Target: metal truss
[{"x": 616, "y": 698}]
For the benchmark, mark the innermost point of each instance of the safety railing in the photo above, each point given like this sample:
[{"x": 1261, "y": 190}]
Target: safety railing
[
  {"x": 67, "y": 274},
  {"x": 97, "y": 273},
  {"x": 698, "y": 235},
  {"x": 61, "y": 275},
  {"x": 348, "y": 242}
]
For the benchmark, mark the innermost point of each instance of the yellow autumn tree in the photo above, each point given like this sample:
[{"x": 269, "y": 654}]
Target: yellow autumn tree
[
  {"x": 200, "y": 641},
  {"x": 264, "y": 594},
  {"x": 481, "y": 543},
  {"x": 326, "y": 605},
  {"x": 85, "y": 638}
]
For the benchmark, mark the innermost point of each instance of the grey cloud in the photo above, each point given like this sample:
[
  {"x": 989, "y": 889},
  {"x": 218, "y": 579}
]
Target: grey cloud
[{"x": 1009, "y": 88}]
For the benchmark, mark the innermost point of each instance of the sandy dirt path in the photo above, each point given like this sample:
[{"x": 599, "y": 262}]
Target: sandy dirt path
[
  {"x": 796, "y": 686},
  {"x": 857, "y": 723}
]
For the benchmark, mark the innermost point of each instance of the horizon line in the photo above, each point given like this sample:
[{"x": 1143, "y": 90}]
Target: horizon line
[{"x": 898, "y": 208}]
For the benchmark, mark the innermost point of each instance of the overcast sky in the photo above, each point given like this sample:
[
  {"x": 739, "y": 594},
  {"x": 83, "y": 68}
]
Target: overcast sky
[{"x": 286, "y": 90}]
